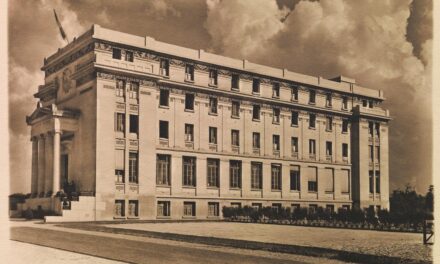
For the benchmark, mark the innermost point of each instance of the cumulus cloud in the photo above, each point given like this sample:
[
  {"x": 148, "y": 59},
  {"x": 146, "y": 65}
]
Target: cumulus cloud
[{"x": 362, "y": 39}]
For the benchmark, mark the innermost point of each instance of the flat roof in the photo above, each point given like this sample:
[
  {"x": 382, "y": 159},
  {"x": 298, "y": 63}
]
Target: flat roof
[{"x": 339, "y": 83}]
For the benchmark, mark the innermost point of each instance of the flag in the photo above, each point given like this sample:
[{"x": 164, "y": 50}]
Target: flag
[{"x": 63, "y": 34}]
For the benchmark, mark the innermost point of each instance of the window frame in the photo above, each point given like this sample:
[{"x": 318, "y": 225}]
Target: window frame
[
  {"x": 276, "y": 177},
  {"x": 190, "y": 99},
  {"x": 235, "y": 174},
  {"x": 213, "y": 166},
  {"x": 189, "y": 171},
  {"x": 256, "y": 175},
  {"x": 163, "y": 170}
]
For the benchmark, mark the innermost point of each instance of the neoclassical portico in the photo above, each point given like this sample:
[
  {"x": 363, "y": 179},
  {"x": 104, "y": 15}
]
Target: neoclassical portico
[{"x": 48, "y": 124}]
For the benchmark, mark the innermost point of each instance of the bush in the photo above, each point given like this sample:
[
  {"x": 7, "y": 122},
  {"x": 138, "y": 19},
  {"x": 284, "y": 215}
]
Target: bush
[{"x": 28, "y": 214}]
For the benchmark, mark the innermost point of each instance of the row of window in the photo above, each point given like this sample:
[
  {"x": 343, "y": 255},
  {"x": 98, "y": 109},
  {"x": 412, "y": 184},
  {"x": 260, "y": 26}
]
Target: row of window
[
  {"x": 256, "y": 138},
  {"x": 133, "y": 208},
  {"x": 189, "y": 175},
  {"x": 374, "y": 152},
  {"x": 256, "y": 111}
]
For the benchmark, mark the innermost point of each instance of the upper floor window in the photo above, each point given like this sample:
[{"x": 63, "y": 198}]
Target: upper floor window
[
  {"x": 213, "y": 77},
  {"x": 256, "y": 175},
  {"x": 189, "y": 171},
  {"x": 212, "y": 135},
  {"x": 294, "y": 94},
  {"x": 235, "y": 137},
  {"x": 256, "y": 140},
  {"x": 235, "y": 81},
  {"x": 295, "y": 178},
  {"x": 344, "y": 125},
  {"x": 371, "y": 128},
  {"x": 294, "y": 118},
  {"x": 329, "y": 123},
  {"x": 116, "y": 54},
  {"x": 312, "y": 97},
  {"x": 164, "y": 97},
  {"x": 345, "y": 102},
  {"x": 256, "y": 85},
  {"x": 377, "y": 126},
  {"x": 129, "y": 56},
  {"x": 189, "y": 72},
  {"x": 256, "y": 112},
  {"x": 276, "y": 142},
  {"x": 294, "y": 145},
  {"x": 312, "y": 146},
  {"x": 370, "y": 103},
  {"x": 163, "y": 129},
  {"x": 364, "y": 103},
  {"x": 189, "y": 101},
  {"x": 312, "y": 121},
  {"x": 276, "y": 90},
  {"x": 133, "y": 167},
  {"x": 212, "y": 105},
  {"x": 213, "y": 172},
  {"x": 235, "y": 109},
  {"x": 163, "y": 169},
  {"x": 235, "y": 174},
  {"x": 276, "y": 115},
  {"x": 134, "y": 124},
  {"x": 120, "y": 122},
  {"x": 120, "y": 88},
  {"x": 328, "y": 148},
  {"x": 189, "y": 132},
  {"x": 344, "y": 150},
  {"x": 133, "y": 90},
  {"x": 120, "y": 165},
  {"x": 164, "y": 67},
  {"x": 328, "y": 100}
]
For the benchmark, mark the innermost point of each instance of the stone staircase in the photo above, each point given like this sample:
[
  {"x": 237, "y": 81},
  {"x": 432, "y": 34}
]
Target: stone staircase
[{"x": 79, "y": 211}]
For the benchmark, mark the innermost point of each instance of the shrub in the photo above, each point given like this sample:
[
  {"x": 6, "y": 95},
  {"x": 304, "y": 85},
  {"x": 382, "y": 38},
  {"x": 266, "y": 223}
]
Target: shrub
[{"x": 28, "y": 214}]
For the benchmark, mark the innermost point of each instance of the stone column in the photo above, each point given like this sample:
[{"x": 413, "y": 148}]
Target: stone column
[
  {"x": 34, "y": 179},
  {"x": 41, "y": 164},
  {"x": 48, "y": 150},
  {"x": 56, "y": 161}
]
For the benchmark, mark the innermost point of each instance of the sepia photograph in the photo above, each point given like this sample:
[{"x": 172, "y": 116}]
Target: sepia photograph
[{"x": 219, "y": 131}]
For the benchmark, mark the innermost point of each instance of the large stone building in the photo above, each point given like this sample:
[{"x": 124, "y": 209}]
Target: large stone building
[{"x": 146, "y": 129}]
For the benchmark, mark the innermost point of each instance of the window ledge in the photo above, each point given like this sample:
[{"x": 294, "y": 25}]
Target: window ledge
[
  {"x": 235, "y": 89},
  {"x": 164, "y": 106},
  {"x": 314, "y": 192},
  {"x": 212, "y": 113},
  {"x": 293, "y": 125},
  {"x": 256, "y": 93},
  {"x": 163, "y": 217},
  {"x": 256, "y": 189},
  {"x": 189, "y": 217},
  {"x": 256, "y": 120},
  {"x": 275, "y": 190},
  {"x": 275, "y": 123},
  {"x": 234, "y": 188},
  {"x": 213, "y": 217},
  {"x": 235, "y": 117},
  {"x": 313, "y": 128},
  {"x": 213, "y": 187},
  {"x": 133, "y": 217},
  {"x": 344, "y": 132},
  {"x": 328, "y": 130},
  {"x": 275, "y": 97},
  {"x": 295, "y": 191},
  {"x": 188, "y": 187},
  {"x": 163, "y": 185},
  {"x": 329, "y": 192},
  {"x": 213, "y": 85},
  {"x": 294, "y": 100},
  {"x": 189, "y": 110},
  {"x": 119, "y": 217},
  {"x": 165, "y": 76},
  {"x": 312, "y": 103},
  {"x": 189, "y": 81}
]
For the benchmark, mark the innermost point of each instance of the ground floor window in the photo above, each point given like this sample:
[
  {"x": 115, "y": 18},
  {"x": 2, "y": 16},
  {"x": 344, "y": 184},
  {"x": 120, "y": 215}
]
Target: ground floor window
[
  {"x": 189, "y": 209},
  {"x": 313, "y": 208},
  {"x": 133, "y": 208},
  {"x": 120, "y": 208},
  {"x": 213, "y": 209},
  {"x": 330, "y": 208},
  {"x": 163, "y": 208}
]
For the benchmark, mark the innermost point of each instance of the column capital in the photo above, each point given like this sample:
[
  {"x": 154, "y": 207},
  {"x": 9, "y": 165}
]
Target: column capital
[
  {"x": 34, "y": 138},
  {"x": 42, "y": 136}
]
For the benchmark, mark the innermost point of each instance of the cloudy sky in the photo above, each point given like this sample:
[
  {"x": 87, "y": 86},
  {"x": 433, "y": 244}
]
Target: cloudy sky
[{"x": 382, "y": 44}]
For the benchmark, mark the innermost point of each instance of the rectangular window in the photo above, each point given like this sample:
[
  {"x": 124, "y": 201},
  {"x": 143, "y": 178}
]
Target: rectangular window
[
  {"x": 294, "y": 145},
  {"x": 213, "y": 77},
  {"x": 235, "y": 82},
  {"x": 163, "y": 208},
  {"x": 129, "y": 56},
  {"x": 189, "y": 101},
  {"x": 345, "y": 181},
  {"x": 256, "y": 112},
  {"x": 312, "y": 146},
  {"x": 213, "y": 209},
  {"x": 133, "y": 90},
  {"x": 371, "y": 180},
  {"x": 235, "y": 174},
  {"x": 370, "y": 104},
  {"x": 164, "y": 97},
  {"x": 120, "y": 88},
  {"x": 295, "y": 178},
  {"x": 213, "y": 171},
  {"x": 328, "y": 100},
  {"x": 312, "y": 121},
  {"x": 294, "y": 118},
  {"x": 312, "y": 97},
  {"x": 116, "y": 54},
  {"x": 133, "y": 208},
  {"x": 328, "y": 180},
  {"x": 120, "y": 122},
  {"x": 364, "y": 103},
  {"x": 212, "y": 105},
  {"x": 377, "y": 129},
  {"x": 313, "y": 208},
  {"x": 276, "y": 177},
  {"x": 120, "y": 165},
  {"x": 276, "y": 115},
  {"x": 276, "y": 90},
  {"x": 256, "y": 140},
  {"x": 189, "y": 171},
  {"x": 235, "y": 138},
  {"x": 328, "y": 148},
  {"x": 344, "y": 103},
  {"x": 133, "y": 167},
  {"x": 294, "y": 94},
  {"x": 377, "y": 181},
  {"x": 344, "y": 150},
  {"x": 235, "y": 109},
  {"x": 330, "y": 208},
  {"x": 370, "y": 153},
  {"x": 163, "y": 129},
  {"x": 164, "y": 67},
  {"x": 119, "y": 208},
  {"x": 189, "y": 133},
  {"x": 312, "y": 181},
  {"x": 134, "y": 124},
  {"x": 163, "y": 169},
  {"x": 276, "y": 142},
  {"x": 212, "y": 135},
  {"x": 329, "y": 123},
  {"x": 344, "y": 125},
  {"x": 189, "y": 72},
  {"x": 256, "y": 175},
  {"x": 377, "y": 153},
  {"x": 256, "y": 86},
  {"x": 371, "y": 128}
]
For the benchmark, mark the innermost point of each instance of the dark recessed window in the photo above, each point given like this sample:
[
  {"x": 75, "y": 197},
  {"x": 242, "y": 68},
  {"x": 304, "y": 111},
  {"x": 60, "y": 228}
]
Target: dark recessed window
[
  {"x": 312, "y": 121},
  {"x": 294, "y": 118},
  {"x": 134, "y": 124},
  {"x": 164, "y": 97},
  {"x": 189, "y": 101},
  {"x": 164, "y": 67},
  {"x": 235, "y": 82},
  {"x": 312, "y": 96},
  {"x": 276, "y": 90},
  {"x": 256, "y": 112},
  {"x": 189, "y": 72},
  {"x": 129, "y": 56},
  {"x": 116, "y": 54},
  {"x": 163, "y": 129},
  {"x": 256, "y": 85},
  {"x": 213, "y": 77}
]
